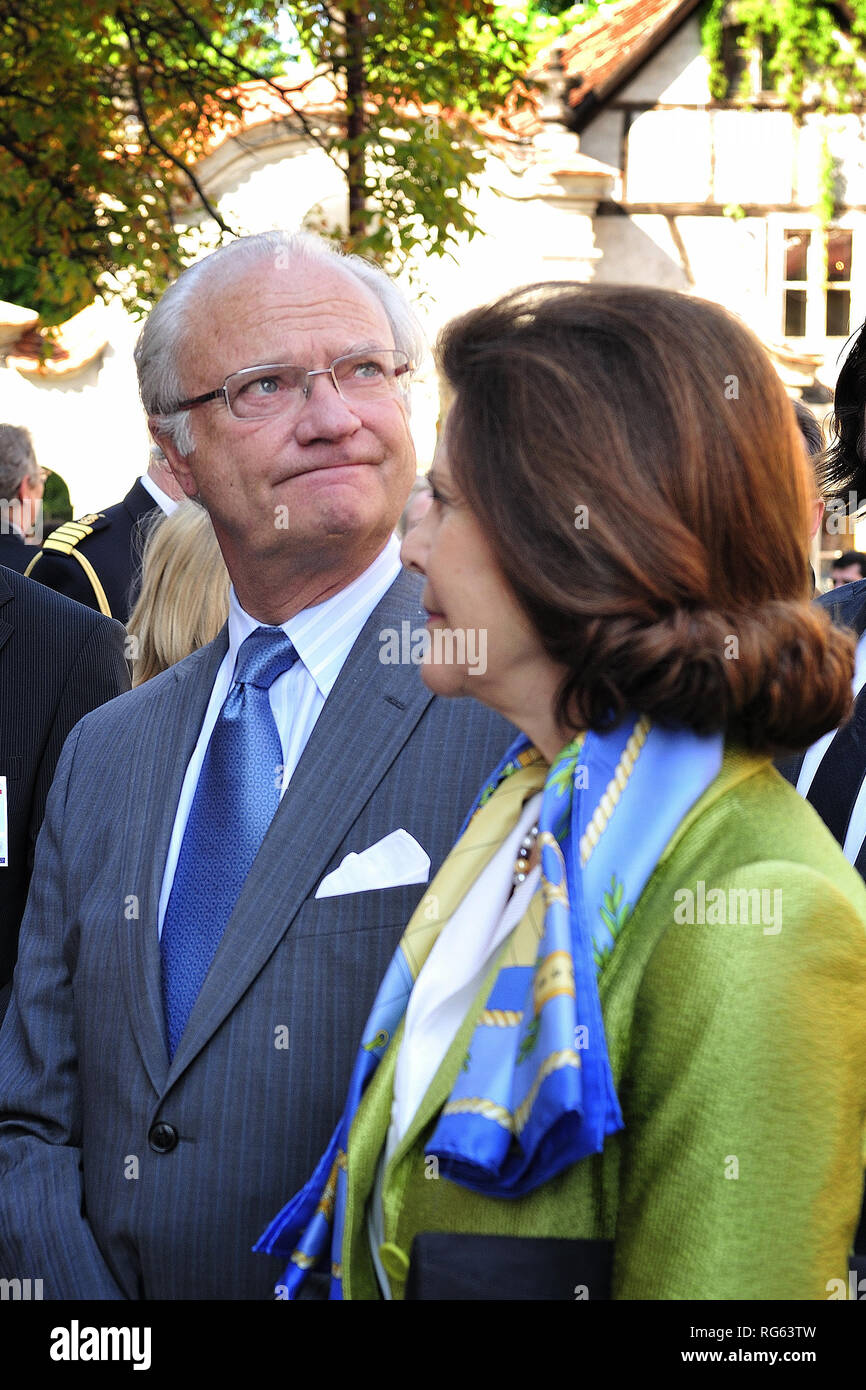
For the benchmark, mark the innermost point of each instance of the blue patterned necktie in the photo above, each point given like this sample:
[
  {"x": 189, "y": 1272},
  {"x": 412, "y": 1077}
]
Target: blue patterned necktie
[{"x": 234, "y": 803}]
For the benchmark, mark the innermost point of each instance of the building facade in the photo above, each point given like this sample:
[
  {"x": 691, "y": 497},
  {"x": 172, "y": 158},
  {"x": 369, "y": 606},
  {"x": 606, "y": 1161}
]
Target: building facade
[{"x": 626, "y": 171}]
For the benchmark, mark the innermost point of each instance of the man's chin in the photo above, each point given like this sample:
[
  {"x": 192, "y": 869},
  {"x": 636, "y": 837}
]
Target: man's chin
[
  {"x": 337, "y": 538},
  {"x": 349, "y": 520}
]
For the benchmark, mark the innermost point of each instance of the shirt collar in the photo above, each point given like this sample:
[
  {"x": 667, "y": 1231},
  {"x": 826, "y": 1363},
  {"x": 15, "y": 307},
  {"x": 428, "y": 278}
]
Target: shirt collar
[
  {"x": 163, "y": 501},
  {"x": 324, "y": 635}
]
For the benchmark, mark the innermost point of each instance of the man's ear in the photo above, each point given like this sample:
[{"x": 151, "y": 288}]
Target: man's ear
[
  {"x": 30, "y": 501},
  {"x": 177, "y": 462}
]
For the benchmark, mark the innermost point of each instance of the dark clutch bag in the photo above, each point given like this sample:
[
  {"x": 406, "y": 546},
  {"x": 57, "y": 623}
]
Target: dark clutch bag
[{"x": 466, "y": 1267}]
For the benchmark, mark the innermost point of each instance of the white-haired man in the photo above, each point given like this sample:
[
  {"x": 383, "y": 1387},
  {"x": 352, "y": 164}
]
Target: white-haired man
[{"x": 197, "y": 959}]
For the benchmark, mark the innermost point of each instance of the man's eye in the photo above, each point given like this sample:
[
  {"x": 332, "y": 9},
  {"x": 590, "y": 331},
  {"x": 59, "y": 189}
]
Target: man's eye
[
  {"x": 368, "y": 369},
  {"x": 257, "y": 387}
]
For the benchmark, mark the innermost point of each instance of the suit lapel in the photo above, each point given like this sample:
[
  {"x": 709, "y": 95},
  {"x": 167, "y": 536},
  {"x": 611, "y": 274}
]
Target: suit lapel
[
  {"x": 366, "y": 720},
  {"x": 849, "y": 612},
  {"x": 7, "y": 627},
  {"x": 170, "y": 752}
]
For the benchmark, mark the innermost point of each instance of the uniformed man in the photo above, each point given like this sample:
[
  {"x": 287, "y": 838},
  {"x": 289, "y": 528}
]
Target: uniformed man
[{"x": 97, "y": 559}]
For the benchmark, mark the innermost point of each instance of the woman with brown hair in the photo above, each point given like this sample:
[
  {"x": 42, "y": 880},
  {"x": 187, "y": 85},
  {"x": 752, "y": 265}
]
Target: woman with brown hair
[{"x": 630, "y": 1011}]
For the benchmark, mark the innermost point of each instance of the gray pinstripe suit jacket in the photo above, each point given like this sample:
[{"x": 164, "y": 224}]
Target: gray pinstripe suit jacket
[{"x": 86, "y": 1204}]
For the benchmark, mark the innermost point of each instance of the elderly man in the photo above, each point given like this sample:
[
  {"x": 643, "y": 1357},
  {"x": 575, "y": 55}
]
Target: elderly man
[
  {"x": 21, "y": 486},
  {"x": 197, "y": 959}
]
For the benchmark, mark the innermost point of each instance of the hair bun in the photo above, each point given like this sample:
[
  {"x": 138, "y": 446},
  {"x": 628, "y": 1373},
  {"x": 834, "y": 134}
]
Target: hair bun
[{"x": 775, "y": 677}]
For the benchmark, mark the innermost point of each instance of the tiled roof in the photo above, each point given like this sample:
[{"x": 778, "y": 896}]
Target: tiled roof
[
  {"x": 319, "y": 99},
  {"x": 14, "y": 321},
  {"x": 51, "y": 353},
  {"x": 605, "y": 50},
  {"x": 312, "y": 95}
]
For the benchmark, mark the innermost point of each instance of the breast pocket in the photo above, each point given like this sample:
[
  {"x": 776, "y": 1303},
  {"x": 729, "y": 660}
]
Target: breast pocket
[
  {"x": 11, "y": 767},
  {"x": 376, "y": 908}
]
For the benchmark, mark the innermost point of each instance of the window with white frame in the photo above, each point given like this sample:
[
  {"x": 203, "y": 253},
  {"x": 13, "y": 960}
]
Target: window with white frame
[
  {"x": 840, "y": 244},
  {"x": 816, "y": 282}
]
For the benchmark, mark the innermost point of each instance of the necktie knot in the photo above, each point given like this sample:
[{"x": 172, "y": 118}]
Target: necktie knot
[{"x": 263, "y": 656}]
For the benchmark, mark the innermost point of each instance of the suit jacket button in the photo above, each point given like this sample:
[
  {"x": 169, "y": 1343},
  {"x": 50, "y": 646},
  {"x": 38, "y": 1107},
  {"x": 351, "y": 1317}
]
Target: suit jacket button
[{"x": 162, "y": 1138}]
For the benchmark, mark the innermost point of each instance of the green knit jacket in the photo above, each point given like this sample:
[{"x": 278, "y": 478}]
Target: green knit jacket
[{"x": 738, "y": 1046}]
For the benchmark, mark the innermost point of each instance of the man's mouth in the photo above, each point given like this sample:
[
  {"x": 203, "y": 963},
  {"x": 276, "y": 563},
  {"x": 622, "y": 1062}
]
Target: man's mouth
[{"x": 329, "y": 467}]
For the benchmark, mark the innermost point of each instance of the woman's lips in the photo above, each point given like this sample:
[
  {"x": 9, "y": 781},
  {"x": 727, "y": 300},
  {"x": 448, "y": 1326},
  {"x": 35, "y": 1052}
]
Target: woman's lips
[{"x": 433, "y": 614}]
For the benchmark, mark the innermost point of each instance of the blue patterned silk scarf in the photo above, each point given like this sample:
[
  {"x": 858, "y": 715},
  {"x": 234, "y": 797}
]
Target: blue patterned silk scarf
[{"x": 536, "y": 1092}]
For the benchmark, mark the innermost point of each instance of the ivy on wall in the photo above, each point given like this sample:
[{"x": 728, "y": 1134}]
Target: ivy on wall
[
  {"x": 806, "y": 57},
  {"x": 807, "y": 60}
]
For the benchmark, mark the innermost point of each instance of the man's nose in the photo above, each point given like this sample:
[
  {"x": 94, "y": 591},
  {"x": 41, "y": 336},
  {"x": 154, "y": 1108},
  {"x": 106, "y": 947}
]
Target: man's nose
[{"x": 325, "y": 414}]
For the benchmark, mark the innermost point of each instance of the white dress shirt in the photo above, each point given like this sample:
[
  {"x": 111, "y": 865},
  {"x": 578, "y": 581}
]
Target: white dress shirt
[
  {"x": 856, "y": 832},
  {"x": 322, "y": 636},
  {"x": 163, "y": 501}
]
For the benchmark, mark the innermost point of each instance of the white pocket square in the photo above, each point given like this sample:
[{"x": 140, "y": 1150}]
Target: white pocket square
[{"x": 396, "y": 860}]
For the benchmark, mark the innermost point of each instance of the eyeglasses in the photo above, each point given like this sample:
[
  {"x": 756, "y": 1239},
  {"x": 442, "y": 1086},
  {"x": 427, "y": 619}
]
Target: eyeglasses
[{"x": 258, "y": 392}]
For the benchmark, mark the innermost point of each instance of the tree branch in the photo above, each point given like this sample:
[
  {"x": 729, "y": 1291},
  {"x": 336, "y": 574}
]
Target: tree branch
[
  {"x": 241, "y": 67},
  {"x": 27, "y": 97},
  {"x": 209, "y": 207},
  {"x": 31, "y": 163}
]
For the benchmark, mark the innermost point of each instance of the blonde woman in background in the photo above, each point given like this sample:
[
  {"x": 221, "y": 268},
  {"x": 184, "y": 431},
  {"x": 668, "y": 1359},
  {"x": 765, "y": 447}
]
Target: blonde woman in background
[{"x": 184, "y": 597}]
